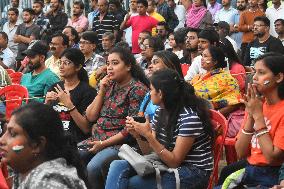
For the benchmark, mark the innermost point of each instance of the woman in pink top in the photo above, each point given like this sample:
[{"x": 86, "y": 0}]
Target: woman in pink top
[{"x": 197, "y": 15}]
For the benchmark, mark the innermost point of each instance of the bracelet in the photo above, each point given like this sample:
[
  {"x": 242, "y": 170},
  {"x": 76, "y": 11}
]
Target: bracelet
[
  {"x": 71, "y": 109},
  {"x": 262, "y": 133},
  {"x": 162, "y": 151},
  {"x": 261, "y": 129},
  {"x": 101, "y": 142},
  {"x": 247, "y": 133}
]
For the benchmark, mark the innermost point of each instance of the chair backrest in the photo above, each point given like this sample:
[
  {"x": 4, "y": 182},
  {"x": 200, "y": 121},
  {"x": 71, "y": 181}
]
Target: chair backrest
[
  {"x": 184, "y": 68},
  {"x": 9, "y": 71},
  {"x": 16, "y": 77},
  {"x": 14, "y": 95},
  {"x": 220, "y": 125}
]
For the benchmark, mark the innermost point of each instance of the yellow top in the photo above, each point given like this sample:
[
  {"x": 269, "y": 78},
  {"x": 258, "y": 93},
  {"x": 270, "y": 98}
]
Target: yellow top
[{"x": 158, "y": 17}]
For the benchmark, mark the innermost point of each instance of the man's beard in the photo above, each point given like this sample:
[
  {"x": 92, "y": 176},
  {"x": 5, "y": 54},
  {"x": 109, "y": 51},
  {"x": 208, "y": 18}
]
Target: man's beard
[
  {"x": 27, "y": 21},
  {"x": 259, "y": 35},
  {"x": 192, "y": 49},
  {"x": 241, "y": 7},
  {"x": 34, "y": 66}
]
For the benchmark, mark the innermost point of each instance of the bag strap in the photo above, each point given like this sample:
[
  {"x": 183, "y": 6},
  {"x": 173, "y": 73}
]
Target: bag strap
[{"x": 159, "y": 178}]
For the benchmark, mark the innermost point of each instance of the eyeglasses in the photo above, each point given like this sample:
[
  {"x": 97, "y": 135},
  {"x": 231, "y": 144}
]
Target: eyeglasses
[
  {"x": 144, "y": 47},
  {"x": 64, "y": 62},
  {"x": 84, "y": 42},
  {"x": 258, "y": 25}
]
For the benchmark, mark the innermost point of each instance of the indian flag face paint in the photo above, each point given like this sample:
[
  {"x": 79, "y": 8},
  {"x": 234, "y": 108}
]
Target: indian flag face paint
[{"x": 17, "y": 147}]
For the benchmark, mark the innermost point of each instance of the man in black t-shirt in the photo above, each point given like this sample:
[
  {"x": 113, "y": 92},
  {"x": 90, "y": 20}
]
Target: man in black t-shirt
[{"x": 263, "y": 43}]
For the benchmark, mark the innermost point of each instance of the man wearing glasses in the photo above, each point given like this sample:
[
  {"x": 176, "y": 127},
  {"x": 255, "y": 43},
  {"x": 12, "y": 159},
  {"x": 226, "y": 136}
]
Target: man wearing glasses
[{"x": 263, "y": 42}]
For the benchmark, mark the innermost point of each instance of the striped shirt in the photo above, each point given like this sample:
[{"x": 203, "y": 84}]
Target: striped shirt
[
  {"x": 107, "y": 24},
  {"x": 189, "y": 125}
]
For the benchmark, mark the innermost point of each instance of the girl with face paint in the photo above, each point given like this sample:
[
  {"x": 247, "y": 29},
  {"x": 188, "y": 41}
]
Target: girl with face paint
[
  {"x": 35, "y": 147},
  {"x": 261, "y": 138}
]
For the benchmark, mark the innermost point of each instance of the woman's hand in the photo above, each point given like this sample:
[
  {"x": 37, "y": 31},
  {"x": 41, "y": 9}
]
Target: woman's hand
[
  {"x": 105, "y": 83},
  {"x": 253, "y": 102},
  {"x": 64, "y": 96},
  {"x": 97, "y": 146},
  {"x": 50, "y": 96},
  {"x": 130, "y": 128},
  {"x": 143, "y": 129}
]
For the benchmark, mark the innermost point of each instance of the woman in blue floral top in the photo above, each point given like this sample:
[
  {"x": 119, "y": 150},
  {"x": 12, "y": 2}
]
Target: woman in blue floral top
[{"x": 120, "y": 94}]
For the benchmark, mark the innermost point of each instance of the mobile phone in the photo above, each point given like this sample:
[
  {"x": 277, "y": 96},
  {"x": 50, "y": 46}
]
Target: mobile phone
[{"x": 139, "y": 119}]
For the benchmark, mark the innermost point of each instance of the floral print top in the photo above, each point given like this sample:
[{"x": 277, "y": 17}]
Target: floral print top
[
  {"x": 219, "y": 87},
  {"x": 118, "y": 103}
]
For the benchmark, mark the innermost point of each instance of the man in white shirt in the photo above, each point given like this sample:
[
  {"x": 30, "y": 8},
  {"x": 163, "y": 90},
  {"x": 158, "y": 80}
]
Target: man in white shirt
[
  {"x": 7, "y": 58},
  {"x": 206, "y": 38},
  {"x": 273, "y": 13},
  {"x": 10, "y": 29}
]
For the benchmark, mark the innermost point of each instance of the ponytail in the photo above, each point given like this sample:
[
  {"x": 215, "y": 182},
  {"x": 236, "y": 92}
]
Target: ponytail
[{"x": 83, "y": 75}]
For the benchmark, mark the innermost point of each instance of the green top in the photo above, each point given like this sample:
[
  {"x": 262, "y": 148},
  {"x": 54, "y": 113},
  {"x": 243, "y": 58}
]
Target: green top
[{"x": 39, "y": 84}]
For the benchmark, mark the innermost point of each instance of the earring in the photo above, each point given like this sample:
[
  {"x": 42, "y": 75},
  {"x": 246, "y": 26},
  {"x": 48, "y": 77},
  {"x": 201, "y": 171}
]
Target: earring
[{"x": 35, "y": 155}]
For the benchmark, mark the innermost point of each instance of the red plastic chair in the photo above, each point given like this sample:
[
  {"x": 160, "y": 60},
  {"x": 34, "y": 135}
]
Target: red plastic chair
[
  {"x": 184, "y": 68},
  {"x": 230, "y": 151},
  {"x": 3, "y": 177},
  {"x": 220, "y": 124},
  {"x": 16, "y": 77},
  {"x": 9, "y": 71},
  {"x": 14, "y": 95}
]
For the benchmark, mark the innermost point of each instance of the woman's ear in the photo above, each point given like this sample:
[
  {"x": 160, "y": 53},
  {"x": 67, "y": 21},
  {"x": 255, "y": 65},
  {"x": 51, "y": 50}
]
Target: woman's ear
[
  {"x": 39, "y": 146},
  {"x": 160, "y": 94},
  {"x": 279, "y": 77}
]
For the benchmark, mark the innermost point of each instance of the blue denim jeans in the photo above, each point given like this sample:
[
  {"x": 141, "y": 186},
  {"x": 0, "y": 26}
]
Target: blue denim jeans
[
  {"x": 262, "y": 176},
  {"x": 121, "y": 176},
  {"x": 95, "y": 164},
  {"x": 259, "y": 177}
]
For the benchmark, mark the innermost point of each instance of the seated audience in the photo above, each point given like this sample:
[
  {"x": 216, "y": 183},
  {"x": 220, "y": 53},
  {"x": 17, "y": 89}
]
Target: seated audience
[
  {"x": 41, "y": 78},
  {"x": 161, "y": 59},
  {"x": 73, "y": 36},
  {"x": 260, "y": 142},
  {"x": 148, "y": 47},
  {"x": 94, "y": 63},
  {"x": 119, "y": 95},
  {"x": 71, "y": 96},
  {"x": 59, "y": 42},
  {"x": 35, "y": 147},
  {"x": 217, "y": 85},
  {"x": 7, "y": 58},
  {"x": 180, "y": 134}
]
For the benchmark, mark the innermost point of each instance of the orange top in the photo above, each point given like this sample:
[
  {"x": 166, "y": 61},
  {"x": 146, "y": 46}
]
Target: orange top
[
  {"x": 274, "y": 119},
  {"x": 246, "y": 19}
]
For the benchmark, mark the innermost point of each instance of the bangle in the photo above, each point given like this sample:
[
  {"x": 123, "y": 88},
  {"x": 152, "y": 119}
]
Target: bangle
[
  {"x": 261, "y": 133},
  {"x": 247, "y": 133},
  {"x": 71, "y": 109},
  {"x": 261, "y": 129},
  {"x": 162, "y": 150}
]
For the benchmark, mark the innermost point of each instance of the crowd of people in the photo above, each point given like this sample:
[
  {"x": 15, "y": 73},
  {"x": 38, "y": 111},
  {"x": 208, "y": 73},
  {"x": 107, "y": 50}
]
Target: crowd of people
[{"x": 94, "y": 68}]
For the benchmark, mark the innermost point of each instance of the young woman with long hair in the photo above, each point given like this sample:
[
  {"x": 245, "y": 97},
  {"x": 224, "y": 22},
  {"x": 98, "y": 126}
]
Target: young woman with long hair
[{"x": 181, "y": 134}]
